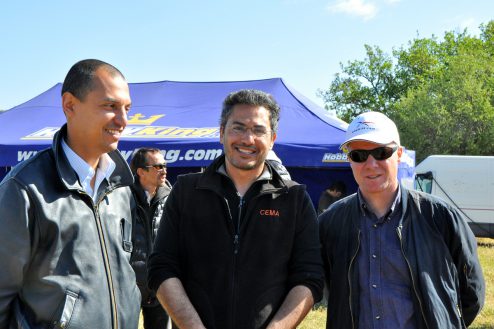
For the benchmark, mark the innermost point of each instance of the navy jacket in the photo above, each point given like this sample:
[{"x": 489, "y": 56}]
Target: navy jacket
[{"x": 439, "y": 248}]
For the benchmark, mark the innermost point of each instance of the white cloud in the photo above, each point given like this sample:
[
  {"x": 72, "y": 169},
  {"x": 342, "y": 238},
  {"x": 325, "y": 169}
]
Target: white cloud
[{"x": 361, "y": 8}]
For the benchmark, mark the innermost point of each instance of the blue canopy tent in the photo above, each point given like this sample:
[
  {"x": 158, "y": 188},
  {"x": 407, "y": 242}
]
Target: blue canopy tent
[{"x": 182, "y": 119}]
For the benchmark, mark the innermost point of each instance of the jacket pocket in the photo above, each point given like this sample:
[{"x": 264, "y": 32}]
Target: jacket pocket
[
  {"x": 67, "y": 311},
  {"x": 126, "y": 228}
]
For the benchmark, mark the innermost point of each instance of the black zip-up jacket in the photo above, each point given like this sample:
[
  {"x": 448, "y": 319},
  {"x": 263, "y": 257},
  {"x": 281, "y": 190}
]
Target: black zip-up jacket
[
  {"x": 144, "y": 231},
  {"x": 237, "y": 277},
  {"x": 440, "y": 251},
  {"x": 64, "y": 259}
]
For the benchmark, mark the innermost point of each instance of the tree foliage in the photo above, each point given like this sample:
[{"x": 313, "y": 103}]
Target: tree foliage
[{"x": 439, "y": 92}]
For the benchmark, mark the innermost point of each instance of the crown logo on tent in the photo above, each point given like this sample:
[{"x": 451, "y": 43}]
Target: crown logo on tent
[{"x": 139, "y": 119}]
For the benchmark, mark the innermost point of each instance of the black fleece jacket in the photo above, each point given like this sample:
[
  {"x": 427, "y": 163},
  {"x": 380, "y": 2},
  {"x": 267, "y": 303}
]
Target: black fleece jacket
[{"x": 237, "y": 277}]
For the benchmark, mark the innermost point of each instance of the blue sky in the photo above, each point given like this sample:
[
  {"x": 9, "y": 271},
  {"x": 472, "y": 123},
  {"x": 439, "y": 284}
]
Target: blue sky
[{"x": 301, "y": 41}]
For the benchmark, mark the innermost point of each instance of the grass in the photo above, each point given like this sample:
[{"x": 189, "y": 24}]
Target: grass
[{"x": 485, "y": 320}]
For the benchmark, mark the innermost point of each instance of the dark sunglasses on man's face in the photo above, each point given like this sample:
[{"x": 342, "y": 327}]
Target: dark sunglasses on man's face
[
  {"x": 158, "y": 166},
  {"x": 379, "y": 153}
]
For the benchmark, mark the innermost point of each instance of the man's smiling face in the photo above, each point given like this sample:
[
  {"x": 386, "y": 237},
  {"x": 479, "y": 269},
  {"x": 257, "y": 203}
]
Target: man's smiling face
[{"x": 245, "y": 146}]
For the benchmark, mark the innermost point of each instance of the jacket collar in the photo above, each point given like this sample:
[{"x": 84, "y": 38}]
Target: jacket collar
[
  {"x": 121, "y": 176},
  {"x": 211, "y": 178},
  {"x": 356, "y": 206},
  {"x": 140, "y": 194},
  {"x": 404, "y": 203}
]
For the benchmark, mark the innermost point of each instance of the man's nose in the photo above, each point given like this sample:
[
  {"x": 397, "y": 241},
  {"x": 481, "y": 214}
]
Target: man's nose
[
  {"x": 121, "y": 116},
  {"x": 249, "y": 136}
]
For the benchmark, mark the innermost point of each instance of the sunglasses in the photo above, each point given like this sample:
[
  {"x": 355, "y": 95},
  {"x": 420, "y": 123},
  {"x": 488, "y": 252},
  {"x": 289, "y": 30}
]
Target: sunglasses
[
  {"x": 158, "y": 166},
  {"x": 379, "y": 153}
]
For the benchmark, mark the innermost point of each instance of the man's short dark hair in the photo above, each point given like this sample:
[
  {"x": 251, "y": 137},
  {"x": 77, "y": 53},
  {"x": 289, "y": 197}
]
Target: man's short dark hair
[
  {"x": 251, "y": 97},
  {"x": 79, "y": 79},
  {"x": 139, "y": 158}
]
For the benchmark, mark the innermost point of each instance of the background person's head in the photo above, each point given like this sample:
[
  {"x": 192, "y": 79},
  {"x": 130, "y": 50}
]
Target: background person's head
[
  {"x": 373, "y": 147},
  {"x": 248, "y": 124},
  {"x": 149, "y": 166},
  {"x": 337, "y": 189},
  {"x": 95, "y": 101}
]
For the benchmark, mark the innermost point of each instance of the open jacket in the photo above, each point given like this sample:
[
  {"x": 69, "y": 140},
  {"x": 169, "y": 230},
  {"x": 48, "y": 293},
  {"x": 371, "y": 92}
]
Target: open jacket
[
  {"x": 64, "y": 258},
  {"x": 440, "y": 251},
  {"x": 145, "y": 228},
  {"x": 237, "y": 277}
]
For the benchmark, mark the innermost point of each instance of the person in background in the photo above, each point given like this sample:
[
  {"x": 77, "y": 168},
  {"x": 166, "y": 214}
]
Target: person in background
[
  {"x": 238, "y": 247},
  {"x": 395, "y": 258},
  {"x": 66, "y": 218},
  {"x": 333, "y": 193},
  {"x": 150, "y": 189}
]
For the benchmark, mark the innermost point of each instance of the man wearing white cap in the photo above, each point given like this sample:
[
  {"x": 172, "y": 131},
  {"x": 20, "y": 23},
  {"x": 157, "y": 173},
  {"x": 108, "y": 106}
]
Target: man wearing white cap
[{"x": 395, "y": 258}]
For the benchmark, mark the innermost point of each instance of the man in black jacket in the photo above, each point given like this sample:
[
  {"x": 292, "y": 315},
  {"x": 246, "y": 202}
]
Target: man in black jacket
[
  {"x": 238, "y": 247},
  {"x": 150, "y": 190},
  {"x": 395, "y": 258}
]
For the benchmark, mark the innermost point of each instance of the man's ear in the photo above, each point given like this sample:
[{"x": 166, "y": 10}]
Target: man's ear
[
  {"x": 399, "y": 152},
  {"x": 273, "y": 138},
  {"x": 139, "y": 172},
  {"x": 68, "y": 103},
  {"x": 222, "y": 132}
]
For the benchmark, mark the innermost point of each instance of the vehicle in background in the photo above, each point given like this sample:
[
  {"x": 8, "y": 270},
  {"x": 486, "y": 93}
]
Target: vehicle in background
[{"x": 464, "y": 181}]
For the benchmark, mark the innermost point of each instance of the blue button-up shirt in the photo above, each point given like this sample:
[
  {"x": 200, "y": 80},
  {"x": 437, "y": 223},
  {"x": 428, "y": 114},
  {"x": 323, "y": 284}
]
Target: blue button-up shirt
[{"x": 384, "y": 279}]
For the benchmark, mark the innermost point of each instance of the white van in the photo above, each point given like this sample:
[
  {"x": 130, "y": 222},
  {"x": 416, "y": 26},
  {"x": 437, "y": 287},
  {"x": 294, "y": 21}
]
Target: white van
[{"x": 464, "y": 181}]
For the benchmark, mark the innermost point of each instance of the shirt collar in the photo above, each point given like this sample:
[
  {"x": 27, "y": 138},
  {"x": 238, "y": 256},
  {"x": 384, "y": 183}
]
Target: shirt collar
[
  {"x": 85, "y": 172},
  {"x": 364, "y": 207}
]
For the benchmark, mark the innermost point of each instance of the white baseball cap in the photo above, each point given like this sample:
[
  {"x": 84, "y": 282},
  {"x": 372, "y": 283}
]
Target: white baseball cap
[{"x": 372, "y": 127}]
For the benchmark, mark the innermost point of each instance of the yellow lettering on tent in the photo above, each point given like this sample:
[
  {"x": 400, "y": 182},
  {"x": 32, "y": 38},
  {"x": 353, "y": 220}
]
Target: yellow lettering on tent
[
  {"x": 149, "y": 131},
  {"x": 200, "y": 132},
  {"x": 139, "y": 119}
]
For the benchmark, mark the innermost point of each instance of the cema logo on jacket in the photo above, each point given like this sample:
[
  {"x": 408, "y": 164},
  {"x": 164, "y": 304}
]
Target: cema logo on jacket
[{"x": 269, "y": 212}]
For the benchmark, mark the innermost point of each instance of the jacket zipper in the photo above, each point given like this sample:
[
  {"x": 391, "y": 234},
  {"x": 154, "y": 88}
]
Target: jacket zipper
[
  {"x": 236, "y": 245},
  {"x": 105, "y": 256},
  {"x": 236, "y": 239},
  {"x": 398, "y": 230},
  {"x": 237, "y": 232},
  {"x": 349, "y": 278}
]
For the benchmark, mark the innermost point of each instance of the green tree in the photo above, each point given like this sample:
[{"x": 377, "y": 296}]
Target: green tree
[
  {"x": 367, "y": 85},
  {"x": 439, "y": 92},
  {"x": 452, "y": 113}
]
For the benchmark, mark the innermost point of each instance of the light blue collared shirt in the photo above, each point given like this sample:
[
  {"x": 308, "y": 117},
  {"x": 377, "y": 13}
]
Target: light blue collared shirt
[{"x": 105, "y": 168}]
